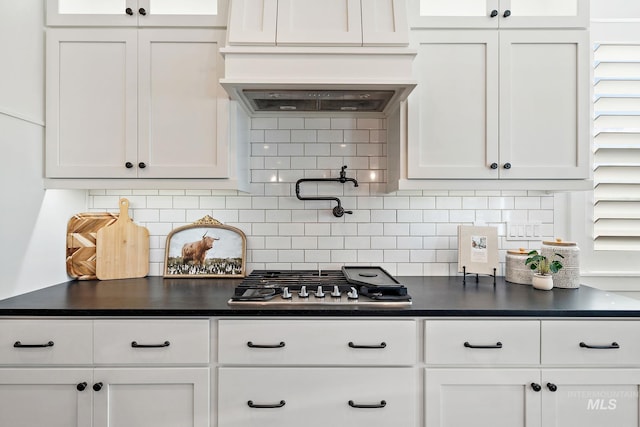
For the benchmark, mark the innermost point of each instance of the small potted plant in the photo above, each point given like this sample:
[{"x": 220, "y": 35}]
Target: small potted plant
[{"x": 542, "y": 278}]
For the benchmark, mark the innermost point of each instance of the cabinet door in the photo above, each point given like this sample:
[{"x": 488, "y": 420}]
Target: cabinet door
[
  {"x": 171, "y": 13},
  {"x": 453, "y": 112},
  {"x": 590, "y": 397},
  {"x": 454, "y": 13},
  {"x": 482, "y": 397},
  {"x": 136, "y": 12},
  {"x": 45, "y": 397},
  {"x": 182, "y": 132},
  {"x": 544, "y": 104},
  {"x": 544, "y": 13},
  {"x": 499, "y": 13},
  {"x": 252, "y": 22},
  {"x": 317, "y": 397},
  {"x": 312, "y": 22},
  {"x": 91, "y": 104},
  {"x": 166, "y": 397},
  {"x": 384, "y": 22}
]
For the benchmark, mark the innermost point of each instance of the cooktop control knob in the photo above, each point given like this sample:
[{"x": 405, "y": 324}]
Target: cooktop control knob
[
  {"x": 302, "y": 293},
  {"x": 336, "y": 291},
  {"x": 319, "y": 292},
  {"x": 285, "y": 293},
  {"x": 353, "y": 294}
]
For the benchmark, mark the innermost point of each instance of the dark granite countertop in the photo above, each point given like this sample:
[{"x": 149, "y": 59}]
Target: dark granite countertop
[{"x": 432, "y": 296}]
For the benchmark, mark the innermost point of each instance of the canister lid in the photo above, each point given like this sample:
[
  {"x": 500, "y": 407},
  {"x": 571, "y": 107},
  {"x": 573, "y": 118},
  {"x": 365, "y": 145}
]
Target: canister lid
[
  {"x": 520, "y": 251},
  {"x": 559, "y": 242}
]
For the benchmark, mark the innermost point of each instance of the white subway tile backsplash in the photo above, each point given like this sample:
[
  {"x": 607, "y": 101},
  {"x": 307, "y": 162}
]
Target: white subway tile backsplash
[{"x": 406, "y": 232}]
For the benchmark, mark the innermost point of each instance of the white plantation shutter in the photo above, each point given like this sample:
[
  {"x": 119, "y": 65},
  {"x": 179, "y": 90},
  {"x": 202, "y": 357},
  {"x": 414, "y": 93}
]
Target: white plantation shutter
[{"x": 617, "y": 147}]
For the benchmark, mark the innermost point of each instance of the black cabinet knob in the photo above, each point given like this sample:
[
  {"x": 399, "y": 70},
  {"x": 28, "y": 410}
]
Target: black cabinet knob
[
  {"x": 536, "y": 387},
  {"x": 552, "y": 387},
  {"x": 142, "y": 165},
  {"x": 142, "y": 12},
  {"x": 494, "y": 166},
  {"x": 128, "y": 165},
  {"x": 97, "y": 386},
  {"x": 507, "y": 13},
  {"x": 507, "y": 166},
  {"x": 494, "y": 13},
  {"x": 128, "y": 11},
  {"x": 81, "y": 386}
]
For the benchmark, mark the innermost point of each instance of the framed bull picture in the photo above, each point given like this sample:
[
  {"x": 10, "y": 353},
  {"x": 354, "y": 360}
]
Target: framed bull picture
[{"x": 206, "y": 248}]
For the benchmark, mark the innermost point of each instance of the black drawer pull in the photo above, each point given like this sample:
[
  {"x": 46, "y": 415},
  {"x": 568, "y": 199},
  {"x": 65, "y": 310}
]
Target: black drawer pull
[
  {"x": 252, "y": 345},
  {"x": 97, "y": 386},
  {"x": 81, "y": 386},
  {"x": 381, "y": 345},
  {"x": 552, "y": 387},
  {"x": 536, "y": 387},
  {"x": 18, "y": 344},
  {"x": 135, "y": 344},
  {"x": 613, "y": 345},
  {"x": 497, "y": 345},
  {"x": 382, "y": 404},
  {"x": 267, "y": 406}
]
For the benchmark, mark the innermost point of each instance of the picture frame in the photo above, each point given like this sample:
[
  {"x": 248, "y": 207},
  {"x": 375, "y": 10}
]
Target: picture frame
[
  {"x": 205, "y": 249},
  {"x": 478, "y": 249}
]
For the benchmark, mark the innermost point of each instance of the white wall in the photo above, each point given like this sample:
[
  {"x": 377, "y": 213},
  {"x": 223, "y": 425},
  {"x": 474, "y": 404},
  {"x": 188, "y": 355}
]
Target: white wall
[{"x": 32, "y": 221}]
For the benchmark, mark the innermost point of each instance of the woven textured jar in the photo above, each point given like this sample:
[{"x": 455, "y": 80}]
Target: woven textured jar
[
  {"x": 569, "y": 275},
  {"x": 516, "y": 270}
]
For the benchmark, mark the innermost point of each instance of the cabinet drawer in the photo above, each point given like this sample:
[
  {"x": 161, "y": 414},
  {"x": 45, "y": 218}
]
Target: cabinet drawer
[
  {"x": 317, "y": 397},
  {"x": 591, "y": 342},
  {"x": 46, "y": 342},
  {"x": 482, "y": 342},
  {"x": 151, "y": 341},
  {"x": 317, "y": 342}
]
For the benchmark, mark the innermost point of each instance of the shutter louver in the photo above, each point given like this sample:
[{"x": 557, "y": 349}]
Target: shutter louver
[{"x": 617, "y": 147}]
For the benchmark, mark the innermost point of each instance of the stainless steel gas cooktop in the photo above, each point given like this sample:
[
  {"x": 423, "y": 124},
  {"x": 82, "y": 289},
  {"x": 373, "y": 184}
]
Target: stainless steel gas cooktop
[{"x": 350, "y": 286}]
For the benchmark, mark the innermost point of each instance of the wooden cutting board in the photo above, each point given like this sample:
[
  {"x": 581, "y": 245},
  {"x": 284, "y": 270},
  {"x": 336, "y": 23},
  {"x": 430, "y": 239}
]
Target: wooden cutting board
[
  {"x": 82, "y": 230},
  {"x": 122, "y": 248}
]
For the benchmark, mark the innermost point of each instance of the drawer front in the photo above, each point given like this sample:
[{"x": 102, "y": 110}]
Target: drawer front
[
  {"x": 151, "y": 341},
  {"x": 317, "y": 397},
  {"x": 317, "y": 342},
  {"x": 484, "y": 342},
  {"x": 46, "y": 342},
  {"x": 591, "y": 342}
]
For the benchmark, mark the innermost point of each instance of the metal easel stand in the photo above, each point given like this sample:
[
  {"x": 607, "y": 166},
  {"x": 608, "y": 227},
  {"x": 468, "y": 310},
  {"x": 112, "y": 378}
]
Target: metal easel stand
[{"x": 464, "y": 276}]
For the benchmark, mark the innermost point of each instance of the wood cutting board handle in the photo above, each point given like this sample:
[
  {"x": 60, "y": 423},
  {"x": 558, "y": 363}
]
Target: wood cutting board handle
[{"x": 124, "y": 210}]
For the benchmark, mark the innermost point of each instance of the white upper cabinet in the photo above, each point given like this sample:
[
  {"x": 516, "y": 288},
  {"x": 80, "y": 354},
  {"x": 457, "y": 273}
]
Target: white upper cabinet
[
  {"x": 500, "y": 13},
  {"x": 512, "y": 105},
  {"x": 137, "y": 13},
  {"x": 318, "y": 23},
  {"x": 127, "y": 103}
]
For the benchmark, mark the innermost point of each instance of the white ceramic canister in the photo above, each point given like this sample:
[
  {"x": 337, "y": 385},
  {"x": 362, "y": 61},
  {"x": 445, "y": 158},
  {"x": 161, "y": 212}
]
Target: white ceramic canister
[
  {"x": 516, "y": 270},
  {"x": 569, "y": 274}
]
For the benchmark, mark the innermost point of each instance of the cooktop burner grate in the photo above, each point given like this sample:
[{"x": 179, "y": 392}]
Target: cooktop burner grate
[{"x": 274, "y": 287}]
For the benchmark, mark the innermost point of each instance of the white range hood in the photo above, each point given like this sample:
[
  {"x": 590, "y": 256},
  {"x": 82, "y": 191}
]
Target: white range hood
[{"x": 268, "y": 74}]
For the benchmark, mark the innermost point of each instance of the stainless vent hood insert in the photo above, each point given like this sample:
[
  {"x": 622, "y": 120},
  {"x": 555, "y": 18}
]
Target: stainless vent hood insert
[{"x": 318, "y": 100}]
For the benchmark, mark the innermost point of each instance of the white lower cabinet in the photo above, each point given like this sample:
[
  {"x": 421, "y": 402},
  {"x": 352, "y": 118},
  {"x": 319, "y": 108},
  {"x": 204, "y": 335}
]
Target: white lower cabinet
[
  {"x": 80, "y": 373},
  {"x": 317, "y": 397},
  {"x": 143, "y": 397},
  {"x": 560, "y": 373},
  {"x": 590, "y": 397},
  {"x": 463, "y": 397},
  {"x": 31, "y": 397}
]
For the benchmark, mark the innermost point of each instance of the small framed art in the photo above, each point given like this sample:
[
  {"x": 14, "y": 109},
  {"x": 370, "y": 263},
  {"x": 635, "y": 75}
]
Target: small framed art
[
  {"x": 477, "y": 249},
  {"x": 206, "y": 248}
]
